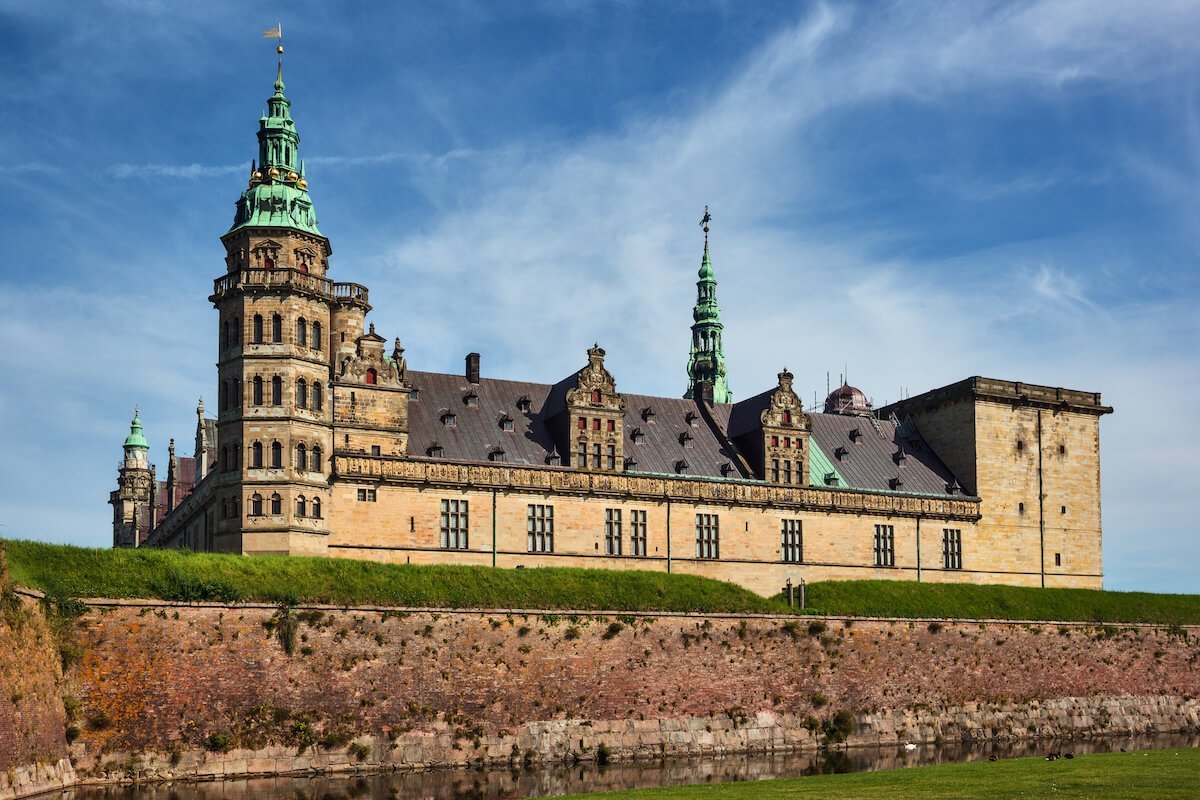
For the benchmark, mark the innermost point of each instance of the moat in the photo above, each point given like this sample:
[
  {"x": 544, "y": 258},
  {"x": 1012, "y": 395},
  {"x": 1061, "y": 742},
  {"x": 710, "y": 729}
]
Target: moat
[{"x": 553, "y": 780}]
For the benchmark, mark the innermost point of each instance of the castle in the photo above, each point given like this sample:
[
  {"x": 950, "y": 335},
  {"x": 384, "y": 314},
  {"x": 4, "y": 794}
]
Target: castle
[{"x": 326, "y": 443}]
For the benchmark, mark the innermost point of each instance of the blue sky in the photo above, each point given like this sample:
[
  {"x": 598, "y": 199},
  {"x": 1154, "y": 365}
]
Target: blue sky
[{"x": 913, "y": 192}]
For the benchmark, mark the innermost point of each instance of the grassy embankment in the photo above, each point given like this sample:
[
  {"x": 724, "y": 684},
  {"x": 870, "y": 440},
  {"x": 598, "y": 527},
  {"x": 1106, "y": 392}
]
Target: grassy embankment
[
  {"x": 64, "y": 571},
  {"x": 1152, "y": 775}
]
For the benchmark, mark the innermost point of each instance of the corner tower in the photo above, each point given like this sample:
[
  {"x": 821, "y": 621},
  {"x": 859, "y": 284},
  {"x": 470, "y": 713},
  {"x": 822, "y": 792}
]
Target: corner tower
[
  {"x": 706, "y": 364},
  {"x": 132, "y": 502},
  {"x": 278, "y": 312}
]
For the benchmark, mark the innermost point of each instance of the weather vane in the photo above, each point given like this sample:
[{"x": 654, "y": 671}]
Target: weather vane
[
  {"x": 707, "y": 218},
  {"x": 276, "y": 33}
]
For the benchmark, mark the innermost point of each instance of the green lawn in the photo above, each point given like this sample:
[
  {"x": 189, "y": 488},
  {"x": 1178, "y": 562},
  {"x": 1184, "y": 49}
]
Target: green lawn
[
  {"x": 66, "y": 571},
  {"x": 1150, "y": 775},
  {"x": 923, "y": 600}
]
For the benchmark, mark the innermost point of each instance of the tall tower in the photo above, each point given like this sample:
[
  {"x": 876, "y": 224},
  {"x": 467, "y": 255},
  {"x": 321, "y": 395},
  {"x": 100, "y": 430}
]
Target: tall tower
[
  {"x": 275, "y": 353},
  {"x": 134, "y": 496},
  {"x": 706, "y": 364}
]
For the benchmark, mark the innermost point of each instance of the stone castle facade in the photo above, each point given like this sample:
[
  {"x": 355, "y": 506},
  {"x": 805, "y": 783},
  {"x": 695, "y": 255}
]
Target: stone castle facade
[{"x": 326, "y": 443}]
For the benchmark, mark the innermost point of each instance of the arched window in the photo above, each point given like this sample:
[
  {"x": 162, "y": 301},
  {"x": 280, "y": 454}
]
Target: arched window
[
  {"x": 372, "y": 376},
  {"x": 258, "y": 401},
  {"x": 256, "y": 505},
  {"x": 316, "y": 459},
  {"x": 277, "y": 391},
  {"x": 595, "y": 395},
  {"x": 224, "y": 459},
  {"x": 237, "y": 331},
  {"x": 301, "y": 457},
  {"x": 276, "y": 328},
  {"x": 316, "y": 508},
  {"x": 235, "y": 392},
  {"x": 224, "y": 334},
  {"x": 276, "y": 504},
  {"x": 258, "y": 328},
  {"x": 223, "y": 403},
  {"x": 235, "y": 453},
  {"x": 302, "y": 332},
  {"x": 256, "y": 456},
  {"x": 317, "y": 343},
  {"x": 317, "y": 395},
  {"x": 302, "y": 393},
  {"x": 301, "y": 507},
  {"x": 276, "y": 455}
]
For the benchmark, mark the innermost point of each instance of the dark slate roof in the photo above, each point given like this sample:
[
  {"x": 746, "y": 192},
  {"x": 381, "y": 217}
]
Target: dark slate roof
[
  {"x": 476, "y": 431},
  {"x": 871, "y": 462},
  {"x": 663, "y": 446},
  {"x": 746, "y": 415}
]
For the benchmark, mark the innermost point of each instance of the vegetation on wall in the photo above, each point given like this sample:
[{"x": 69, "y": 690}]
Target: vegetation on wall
[{"x": 65, "y": 571}]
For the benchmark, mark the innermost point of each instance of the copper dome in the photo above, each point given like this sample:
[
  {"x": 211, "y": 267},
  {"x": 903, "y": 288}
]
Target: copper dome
[{"x": 847, "y": 399}]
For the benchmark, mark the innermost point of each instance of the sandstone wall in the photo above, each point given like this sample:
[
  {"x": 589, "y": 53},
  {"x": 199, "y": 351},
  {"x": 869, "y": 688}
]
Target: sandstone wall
[
  {"x": 209, "y": 690},
  {"x": 32, "y": 718}
]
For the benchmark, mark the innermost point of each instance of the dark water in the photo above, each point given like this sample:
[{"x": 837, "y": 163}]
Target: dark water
[{"x": 547, "y": 781}]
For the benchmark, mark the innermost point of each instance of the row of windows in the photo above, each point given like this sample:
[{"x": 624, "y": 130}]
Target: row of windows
[
  {"x": 788, "y": 472},
  {"x": 306, "y": 335},
  {"x": 787, "y": 442},
  {"x": 307, "y": 395},
  {"x": 307, "y": 460},
  {"x": 272, "y": 506},
  {"x": 885, "y": 547},
  {"x": 610, "y": 425},
  {"x": 603, "y": 456}
]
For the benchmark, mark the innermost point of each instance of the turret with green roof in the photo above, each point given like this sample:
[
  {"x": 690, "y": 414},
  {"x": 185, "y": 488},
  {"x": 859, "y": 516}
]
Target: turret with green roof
[
  {"x": 278, "y": 193},
  {"x": 706, "y": 364}
]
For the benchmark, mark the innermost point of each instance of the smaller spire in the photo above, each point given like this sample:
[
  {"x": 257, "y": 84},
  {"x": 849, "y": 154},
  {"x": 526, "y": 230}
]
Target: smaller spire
[{"x": 136, "y": 438}]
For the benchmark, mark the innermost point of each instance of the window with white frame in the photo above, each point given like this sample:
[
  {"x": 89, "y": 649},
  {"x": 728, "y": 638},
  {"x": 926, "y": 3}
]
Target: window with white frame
[
  {"x": 454, "y": 524},
  {"x": 708, "y": 536},
  {"x": 637, "y": 533},
  {"x": 612, "y": 531},
  {"x": 885, "y": 546},
  {"x": 540, "y": 528},
  {"x": 792, "y": 535}
]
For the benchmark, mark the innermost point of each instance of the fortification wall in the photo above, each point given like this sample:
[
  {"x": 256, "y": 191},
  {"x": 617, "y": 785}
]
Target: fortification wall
[
  {"x": 210, "y": 691},
  {"x": 33, "y": 744}
]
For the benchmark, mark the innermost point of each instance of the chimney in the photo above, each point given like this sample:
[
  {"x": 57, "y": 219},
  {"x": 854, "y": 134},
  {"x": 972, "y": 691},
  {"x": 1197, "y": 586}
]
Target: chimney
[{"x": 472, "y": 367}]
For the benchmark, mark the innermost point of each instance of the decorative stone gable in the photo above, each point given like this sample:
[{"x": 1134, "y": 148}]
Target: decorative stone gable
[
  {"x": 785, "y": 430},
  {"x": 370, "y": 366},
  {"x": 595, "y": 412}
]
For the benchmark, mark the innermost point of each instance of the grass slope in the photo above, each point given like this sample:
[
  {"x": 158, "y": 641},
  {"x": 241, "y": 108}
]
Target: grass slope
[
  {"x": 65, "y": 571},
  {"x": 922, "y": 600},
  {"x": 1151, "y": 775}
]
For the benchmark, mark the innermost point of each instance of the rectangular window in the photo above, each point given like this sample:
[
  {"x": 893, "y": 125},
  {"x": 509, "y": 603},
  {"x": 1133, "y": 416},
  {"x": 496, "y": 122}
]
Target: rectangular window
[
  {"x": 595, "y": 456},
  {"x": 454, "y": 524},
  {"x": 793, "y": 541},
  {"x": 708, "y": 536},
  {"x": 582, "y": 423},
  {"x": 612, "y": 531},
  {"x": 611, "y": 456},
  {"x": 885, "y": 546},
  {"x": 1058, "y": 559},
  {"x": 541, "y": 529},
  {"x": 582, "y": 459},
  {"x": 366, "y": 495},
  {"x": 637, "y": 533},
  {"x": 774, "y": 470},
  {"x": 951, "y": 548},
  {"x": 374, "y": 449},
  {"x": 595, "y": 424},
  {"x": 787, "y": 472}
]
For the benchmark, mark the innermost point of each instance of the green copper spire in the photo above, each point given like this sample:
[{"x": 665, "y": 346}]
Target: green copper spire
[
  {"x": 706, "y": 364},
  {"x": 278, "y": 193},
  {"x": 135, "y": 437}
]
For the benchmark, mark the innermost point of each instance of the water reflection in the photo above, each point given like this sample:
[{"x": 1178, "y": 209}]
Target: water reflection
[{"x": 547, "y": 781}]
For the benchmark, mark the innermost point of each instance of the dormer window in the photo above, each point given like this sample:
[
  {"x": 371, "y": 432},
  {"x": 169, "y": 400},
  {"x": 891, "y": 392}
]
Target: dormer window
[
  {"x": 554, "y": 459},
  {"x": 496, "y": 454},
  {"x": 690, "y": 418},
  {"x": 841, "y": 453},
  {"x": 506, "y": 423},
  {"x": 630, "y": 465},
  {"x": 726, "y": 468},
  {"x": 415, "y": 395},
  {"x": 448, "y": 419},
  {"x": 831, "y": 479},
  {"x": 681, "y": 466},
  {"x": 637, "y": 436},
  {"x": 471, "y": 400},
  {"x": 647, "y": 414},
  {"x": 855, "y": 434},
  {"x": 685, "y": 439},
  {"x": 435, "y": 450},
  {"x": 953, "y": 487},
  {"x": 896, "y": 482},
  {"x": 523, "y": 404}
]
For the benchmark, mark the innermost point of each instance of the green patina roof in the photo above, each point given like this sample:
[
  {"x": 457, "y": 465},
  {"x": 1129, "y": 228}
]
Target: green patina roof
[
  {"x": 819, "y": 466},
  {"x": 706, "y": 362},
  {"x": 278, "y": 193},
  {"x": 135, "y": 437}
]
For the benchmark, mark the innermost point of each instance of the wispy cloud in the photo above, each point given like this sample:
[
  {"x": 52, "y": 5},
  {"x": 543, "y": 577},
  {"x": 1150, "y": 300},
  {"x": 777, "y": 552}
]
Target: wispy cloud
[{"x": 186, "y": 171}]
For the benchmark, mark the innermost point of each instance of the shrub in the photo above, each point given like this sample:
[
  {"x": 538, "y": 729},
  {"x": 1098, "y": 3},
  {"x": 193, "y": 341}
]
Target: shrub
[
  {"x": 99, "y": 721},
  {"x": 220, "y": 742},
  {"x": 360, "y": 751},
  {"x": 818, "y": 700},
  {"x": 603, "y": 754},
  {"x": 817, "y": 627},
  {"x": 571, "y": 633},
  {"x": 839, "y": 726},
  {"x": 935, "y": 627},
  {"x": 614, "y": 628}
]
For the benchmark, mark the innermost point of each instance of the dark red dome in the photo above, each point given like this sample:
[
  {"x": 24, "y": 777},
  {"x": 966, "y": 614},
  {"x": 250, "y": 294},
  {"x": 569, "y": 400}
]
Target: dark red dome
[{"x": 846, "y": 399}]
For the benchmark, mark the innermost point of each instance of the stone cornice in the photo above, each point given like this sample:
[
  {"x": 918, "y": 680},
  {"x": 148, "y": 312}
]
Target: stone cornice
[
  {"x": 1010, "y": 393},
  {"x": 458, "y": 476}
]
